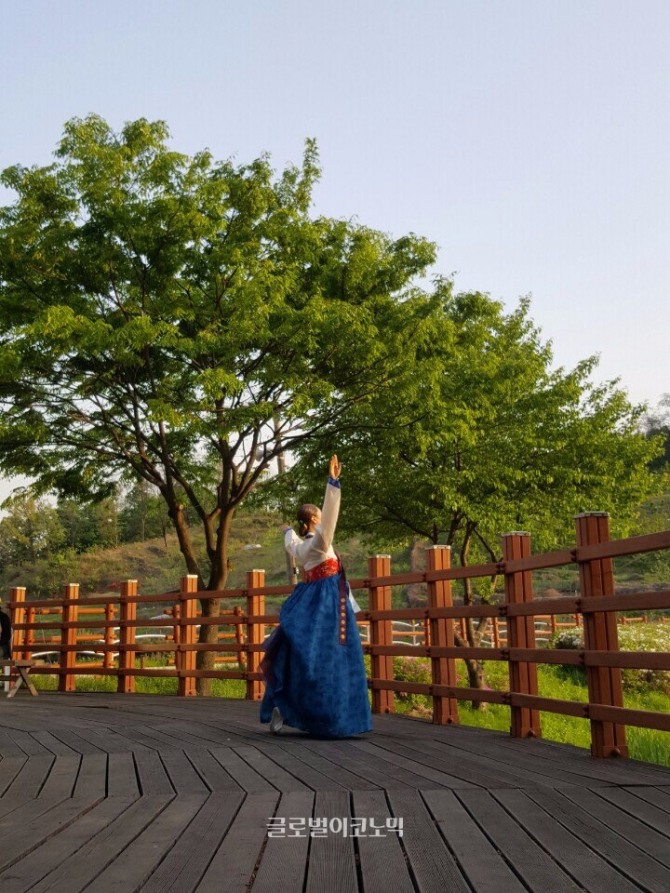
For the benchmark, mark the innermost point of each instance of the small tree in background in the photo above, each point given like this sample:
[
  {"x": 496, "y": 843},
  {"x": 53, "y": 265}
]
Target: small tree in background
[
  {"x": 89, "y": 525},
  {"x": 657, "y": 424},
  {"x": 143, "y": 514},
  {"x": 30, "y": 530},
  {"x": 655, "y": 566}
]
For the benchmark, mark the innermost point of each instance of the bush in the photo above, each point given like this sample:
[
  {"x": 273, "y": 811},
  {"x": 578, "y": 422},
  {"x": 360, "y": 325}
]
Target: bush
[
  {"x": 570, "y": 639},
  {"x": 643, "y": 637},
  {"x": 413, "y": 669},
  {"x": 651, "y": 637}
]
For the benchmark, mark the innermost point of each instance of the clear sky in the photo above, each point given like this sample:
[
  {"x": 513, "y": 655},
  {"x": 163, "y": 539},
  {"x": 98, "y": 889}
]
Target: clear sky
[{"x": 528, "y": 138}]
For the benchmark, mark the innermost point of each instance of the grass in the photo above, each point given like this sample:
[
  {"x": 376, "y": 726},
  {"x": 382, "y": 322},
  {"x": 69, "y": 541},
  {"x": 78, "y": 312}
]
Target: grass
[
  {"x": 649, "y": 745},
  {"x": 145, "y": 685}
]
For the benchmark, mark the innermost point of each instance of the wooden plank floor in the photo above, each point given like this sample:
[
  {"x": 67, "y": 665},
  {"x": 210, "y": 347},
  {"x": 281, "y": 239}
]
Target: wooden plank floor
[{"x": 122, "y": 793}]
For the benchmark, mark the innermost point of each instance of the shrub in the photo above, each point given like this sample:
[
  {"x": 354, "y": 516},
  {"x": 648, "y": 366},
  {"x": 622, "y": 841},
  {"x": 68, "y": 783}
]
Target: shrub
[
  {"x": 652, "y": 637},
  {"x": 643, "y": 637},
  {"x": 413, "y": 669},
  {"x": 571, "y": 639}
]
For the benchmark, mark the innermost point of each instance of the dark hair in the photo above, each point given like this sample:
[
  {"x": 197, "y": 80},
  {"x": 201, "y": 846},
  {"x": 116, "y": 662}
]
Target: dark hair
[{"x": 305, "y": 514}]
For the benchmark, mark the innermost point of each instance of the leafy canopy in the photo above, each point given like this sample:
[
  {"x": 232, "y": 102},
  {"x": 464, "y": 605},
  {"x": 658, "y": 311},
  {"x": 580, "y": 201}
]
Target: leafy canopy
[
  {"x": 30, "y": 529},
  {"x": 184, "y": 321},
  {"x": 484, "y": 436}
]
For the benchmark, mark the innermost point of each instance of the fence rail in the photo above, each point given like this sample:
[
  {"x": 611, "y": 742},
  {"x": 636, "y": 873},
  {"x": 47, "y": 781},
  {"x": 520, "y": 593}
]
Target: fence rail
[{"x": 109, "y": 627}]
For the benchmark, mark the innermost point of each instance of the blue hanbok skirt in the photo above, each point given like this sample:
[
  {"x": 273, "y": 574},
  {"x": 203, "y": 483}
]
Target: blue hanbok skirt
[{"x": 317, "y": 682}]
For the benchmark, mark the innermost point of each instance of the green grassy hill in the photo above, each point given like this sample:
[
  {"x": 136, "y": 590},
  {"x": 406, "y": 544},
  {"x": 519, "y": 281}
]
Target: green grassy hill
[
  {"x": 158, "y": 566},
  {"x": 256, "y": 542}
]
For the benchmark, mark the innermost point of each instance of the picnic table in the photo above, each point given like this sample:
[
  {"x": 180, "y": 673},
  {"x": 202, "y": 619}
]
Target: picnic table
[{"x": 22, "y": 669}]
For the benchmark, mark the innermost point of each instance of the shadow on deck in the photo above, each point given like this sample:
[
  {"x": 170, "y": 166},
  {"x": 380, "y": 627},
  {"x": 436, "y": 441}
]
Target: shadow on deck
[{"x": 123, "y": 793}]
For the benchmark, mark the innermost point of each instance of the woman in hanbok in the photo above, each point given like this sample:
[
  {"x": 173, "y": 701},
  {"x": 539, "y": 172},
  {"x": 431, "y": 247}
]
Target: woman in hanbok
[{"x": 313, "y": 666}]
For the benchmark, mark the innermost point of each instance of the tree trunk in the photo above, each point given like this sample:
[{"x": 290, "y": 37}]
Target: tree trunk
[
  {"x": 416, "y": 592},
  {"x": 473, "y": 631},
  {"x": 209, "y": 632},
  {"x": 475, "y": 670},
  {"x": 176, "y": 514}
]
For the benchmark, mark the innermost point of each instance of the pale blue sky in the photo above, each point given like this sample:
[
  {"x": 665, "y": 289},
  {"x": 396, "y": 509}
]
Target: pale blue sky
[{"x": 529, "y": 138}]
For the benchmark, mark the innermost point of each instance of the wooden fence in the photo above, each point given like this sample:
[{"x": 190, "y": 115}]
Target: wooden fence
[{"x": 92, "y": 623}]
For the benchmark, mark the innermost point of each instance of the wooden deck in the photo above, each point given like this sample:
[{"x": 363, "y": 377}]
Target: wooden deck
[{"x": 122, "y": 793}]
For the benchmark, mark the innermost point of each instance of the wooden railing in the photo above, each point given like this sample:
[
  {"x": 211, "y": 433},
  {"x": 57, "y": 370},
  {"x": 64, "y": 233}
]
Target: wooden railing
[{"x": 116, "y": 639}]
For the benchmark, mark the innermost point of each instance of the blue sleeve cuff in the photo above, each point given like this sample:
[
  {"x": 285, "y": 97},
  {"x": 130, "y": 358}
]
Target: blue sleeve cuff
[{"x": 334, "y": 482}]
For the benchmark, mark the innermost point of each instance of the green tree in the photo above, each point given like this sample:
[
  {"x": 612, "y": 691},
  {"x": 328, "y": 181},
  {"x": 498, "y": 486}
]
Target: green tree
[
  {"x": 30, "y": 530},
  {"x": 143, "y": 514},
  {"x": 89, "y": 525},
  {"x": 185, "y": 322},
  {"x": 657, "y": 424},
  {"x": 483, "y": 437}
]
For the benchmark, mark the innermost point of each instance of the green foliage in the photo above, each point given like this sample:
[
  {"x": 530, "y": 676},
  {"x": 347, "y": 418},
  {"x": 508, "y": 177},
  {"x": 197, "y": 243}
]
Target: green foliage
[
  {"x": 158, "y": 568},
  {"x": 653, "y": 637},
  {"x": 568, "y": 639},
  {"x": 484, "y": 437},
  {"x": 143, "y": 514},
  {"x": 180, "y": 321},
  {"x": 158, "y": 564},
  {"x": 144, "y": 685},
  {"x": 413, "y": 669},
  {"x": 89, "y": 525},
  {"x": 478, "y": 435},
  {"x": 657, "y": 424},
  {"x": 642, "y": 637},
  {"x": 30, "y": 530},
  {"x": 644, "y": 744},
  {"x": 481, "y": 436}
]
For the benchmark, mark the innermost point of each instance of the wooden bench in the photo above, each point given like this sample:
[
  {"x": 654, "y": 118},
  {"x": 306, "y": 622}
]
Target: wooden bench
[{"x": 22, "y": 670}]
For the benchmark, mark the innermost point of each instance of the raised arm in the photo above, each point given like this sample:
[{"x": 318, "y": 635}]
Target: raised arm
[
  {"x": 320, "y": 538},
  {"x": 331, "y": 505}
]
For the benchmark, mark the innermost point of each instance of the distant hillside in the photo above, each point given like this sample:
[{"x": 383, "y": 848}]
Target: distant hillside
[
  {"x": 158, "y": 566},
  {"x": 256, "y": 542}
]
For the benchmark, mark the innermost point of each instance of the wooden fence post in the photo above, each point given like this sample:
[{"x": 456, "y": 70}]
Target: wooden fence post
[
  {"x": 178, "y": 655},
  {"x": 608, "y": 739},
  {"x": 29, "y": 633},
  {"x": 443, "y": 669},
  {"x": 108, "y": 659},
  {"x": 17, "y": 613},
  {"x": 67, "y": 681},
  {"x": 381, "y": 633},
  {"x": 255, "y": 633},
  {"x": 525, "y": 721},
  {"x": 127, "y": 620},
  {"x": 239, "y": 638},
  {"x": 186, "y": 685}
]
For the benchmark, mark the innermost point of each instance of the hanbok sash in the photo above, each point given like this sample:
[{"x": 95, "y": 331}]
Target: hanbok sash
[{"x": 329, "y": 568}]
